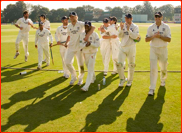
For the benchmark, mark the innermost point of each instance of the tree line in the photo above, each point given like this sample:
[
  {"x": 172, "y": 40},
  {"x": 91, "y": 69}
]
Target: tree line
[{"x": 14, "y": 11}]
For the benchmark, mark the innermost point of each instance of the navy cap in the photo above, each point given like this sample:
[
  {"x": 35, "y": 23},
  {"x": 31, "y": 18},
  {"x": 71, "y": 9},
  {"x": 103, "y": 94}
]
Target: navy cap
[
  {"x": 113, "y": 18},
  {"x": 65, "y": 17},
  {"x": 88, "y": 23},
  {"x": 128, "y": 15},
  {"x": 73, "y": 14},
  {"x": 158, "y": 14},
  {"x": 105, "y": 20},
  {"x": 43, "y": 15},
  {"x": 41, "y": 23}
]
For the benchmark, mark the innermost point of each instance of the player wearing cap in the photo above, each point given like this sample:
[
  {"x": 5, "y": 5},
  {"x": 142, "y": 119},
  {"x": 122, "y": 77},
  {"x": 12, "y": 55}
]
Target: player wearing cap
[
  {"x": 23, "y": 24},
  {"x": 45, "y": 21},
  {"x": 42, "y": 39},
  {"x": 61, "y": 36},
  {"x": 74, "y": 30},
  {"x": 158, "y": 34},
  {"x": 105, "y": 45},
  {"x": 112, "y": 30},
  {"x": 89, "y": 49},
  {"x": 128, "y": 32}
]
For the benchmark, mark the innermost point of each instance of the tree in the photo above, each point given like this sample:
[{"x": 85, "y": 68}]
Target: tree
[
  {"x": 167, "y": 11},
  {"x": 148, "y": 9},
  {"x": 108, "y": 8},
  {"x": 137, "y": 9},
  {"x": 97, "y": 12},
  {"x": 117, "y": 11},
  {"x": 126, "y": 9},
  {"x": 88, "y": 8},
  {"x": 80, "y": 12}
]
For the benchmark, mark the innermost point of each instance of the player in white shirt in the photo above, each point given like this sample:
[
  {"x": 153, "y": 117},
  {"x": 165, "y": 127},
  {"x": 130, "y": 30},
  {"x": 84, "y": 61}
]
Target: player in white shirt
[
  {"x": 105, "y": 45},
  {"x": 74, "y": 30},
  {"x": 45, "y": 21},
  {"x": 42, "y": 43},
  {"x": 89, "y": 50},
  {"x": 114, "y": 41},
  {"x": 61, "y": 36},
  {"x": 128, "y": 32},
  {"x": 158, "y": 34},
  {"x": 23, "y": 24}
]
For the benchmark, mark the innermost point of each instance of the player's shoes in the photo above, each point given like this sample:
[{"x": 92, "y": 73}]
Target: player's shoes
[
  {"x": 72, "y": 81},
  {"x": 162, "y": 83},
  {"x": 151, "y": 92},
  {"x": 113, "y": 73},
  {"x": 44, "y": 61},
  {"x": 66, "y": 76},
  {"x": 39, "y": 68},
  {"x": 84, "y": 88},
  {"x": 26, "y": 58},
  {"x": 129, "y": 83},
  {"x": 16, "y": 55},
  {"x": 47, "y": 64},
  {"x": 80, "y": 82},
  {"x": 122, "y": 81},
  {"x": 105, "y": 73}
]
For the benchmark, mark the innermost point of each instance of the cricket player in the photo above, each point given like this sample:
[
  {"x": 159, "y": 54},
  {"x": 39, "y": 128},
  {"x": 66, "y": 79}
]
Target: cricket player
[
  {"x": 61, "y": 36},
  {"x": 89, "y": 49},
  {"x": 74, "y": 30},
  {"x": 42, "y": 43},
  {"x": 23, "y": 24},
  {"x": 114, "y": 41},
  {"x": 105, "y": 45},
  {"x": 45, "y": 21},
  {"x": 128, "y": 31},
  {"x": 158, "y": 34}
]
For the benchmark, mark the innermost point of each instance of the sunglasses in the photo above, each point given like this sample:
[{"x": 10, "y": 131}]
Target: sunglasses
[{"x": 157, "y": 16}]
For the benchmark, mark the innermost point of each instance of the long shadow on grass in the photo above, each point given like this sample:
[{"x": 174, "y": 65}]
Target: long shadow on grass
[
  {"x": 11, "y": 75},
  {"x": 37, "y": 92},
  {"x": 8, "y": 65},
  {"x": 149, "y": 115},
  {"x": 53, "y": 107},
  {"x": 107, "y": 111}
]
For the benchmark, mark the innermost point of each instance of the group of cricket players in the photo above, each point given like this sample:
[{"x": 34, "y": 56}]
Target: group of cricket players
[{"x": 79, "y": 39}]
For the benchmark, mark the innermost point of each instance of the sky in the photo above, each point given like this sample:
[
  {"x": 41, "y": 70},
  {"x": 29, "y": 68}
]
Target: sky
[{"x": 96, "y": 4}]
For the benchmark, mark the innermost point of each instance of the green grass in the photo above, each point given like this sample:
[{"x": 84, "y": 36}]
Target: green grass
[{"x": 44, "y": 101}]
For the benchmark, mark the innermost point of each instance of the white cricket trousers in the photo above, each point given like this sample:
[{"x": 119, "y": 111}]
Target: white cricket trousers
[
  {"x": 69, "y": 58},
  {"x": 105, "y": 49},
  {"x": 90, "y": 63},
  {"x": 130, "y": 53},
  {"x": 63, "y": 51},
  {"x": 24, "y": 37},
  {"x": 161, "y": 55},
  {"x": 43, "y": 48}
]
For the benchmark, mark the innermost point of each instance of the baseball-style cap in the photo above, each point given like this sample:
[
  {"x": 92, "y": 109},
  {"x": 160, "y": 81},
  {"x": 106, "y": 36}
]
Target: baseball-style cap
[
  {"x": 128, "y": 15},
  {"x": 158, "y": 14},
  {"x": 43, "y": 15},
  {"x": 88, "y": 23},
  {"x": 41, "y": 23},
  {"x": 65, "y": 17},
  {"x": 73, "y": 14},
  {"x": 105, "y": 20},
  {"x": 113, "y": 18}
]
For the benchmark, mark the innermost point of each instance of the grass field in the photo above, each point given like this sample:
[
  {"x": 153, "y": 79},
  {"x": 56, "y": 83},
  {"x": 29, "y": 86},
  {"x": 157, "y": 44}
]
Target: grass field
[{"x": 43, "y": 101}]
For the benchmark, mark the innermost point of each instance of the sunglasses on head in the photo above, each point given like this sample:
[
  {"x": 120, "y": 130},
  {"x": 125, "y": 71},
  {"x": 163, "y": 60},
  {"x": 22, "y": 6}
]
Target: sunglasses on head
[{"x": 157, "y": 16}]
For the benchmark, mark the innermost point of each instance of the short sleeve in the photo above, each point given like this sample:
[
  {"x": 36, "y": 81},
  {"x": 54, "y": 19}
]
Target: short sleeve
[
  {"x": 149, "y": 33},
  {"x": 168, "y": 32},
  {"x": 18, "y": 21}
]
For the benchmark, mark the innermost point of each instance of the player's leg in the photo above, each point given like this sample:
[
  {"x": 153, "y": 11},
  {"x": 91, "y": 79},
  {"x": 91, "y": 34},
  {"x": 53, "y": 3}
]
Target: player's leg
[
  {"x": 115, "y": 51},
  {"x": 90, "y": 63},
  {"x": 25, "y": 45},
  {"x": 69, "y": 58},
  {"x": 40, "y": 56},
  {"x": 120, "y": 65},
  {"x": 163, "y": 65},
  {"x": 153, "y": 70},
  {"x": 17, "y": 46},
  {"x": 131, "y": 63},
  {"x": 47, "y": 55},
  {"x": 80, "y": 62},
  {"x": 63, "y": 51}
]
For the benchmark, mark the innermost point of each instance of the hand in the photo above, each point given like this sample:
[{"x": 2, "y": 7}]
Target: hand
[
  {"x": 121, "y": 25},
  {"x": 58, "y": 43},
  {"x": 128, "y": 26},
  {"x": 87, "y": 44},
  {"x": 114, "y": 36},
  {"x": 35, "y": 46},
  {"x": 51, "y": 45},
  {"x": 21, "y": 28},
  {"x": 65, "y": 45},
  {"x": 99, "y": 29},
  {"x": 35, "y": 28},
  {"x": 157, "y": 35}
]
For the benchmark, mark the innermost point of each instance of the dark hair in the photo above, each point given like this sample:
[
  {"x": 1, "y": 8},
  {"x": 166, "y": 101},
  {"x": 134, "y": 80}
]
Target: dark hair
[{"x": 25, "y": 12}]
